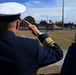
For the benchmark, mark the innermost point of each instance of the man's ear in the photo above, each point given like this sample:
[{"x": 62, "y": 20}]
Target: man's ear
[{"x": 17, "y": 24}]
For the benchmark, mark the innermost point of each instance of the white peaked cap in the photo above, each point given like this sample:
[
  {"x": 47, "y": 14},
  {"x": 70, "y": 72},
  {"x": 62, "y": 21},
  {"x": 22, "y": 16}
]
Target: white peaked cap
[{"x": 11, "y": 8}]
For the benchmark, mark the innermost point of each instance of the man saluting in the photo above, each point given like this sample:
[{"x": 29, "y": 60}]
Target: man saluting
[{"x": 23, "y": 56}]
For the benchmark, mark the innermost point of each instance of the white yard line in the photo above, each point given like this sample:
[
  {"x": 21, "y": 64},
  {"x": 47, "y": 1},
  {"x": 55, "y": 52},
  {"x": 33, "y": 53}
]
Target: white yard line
[
  {"x": 21, "y": 33},
  {"x": 24, "y": 35},
  {"x": 51, "y": 35}
]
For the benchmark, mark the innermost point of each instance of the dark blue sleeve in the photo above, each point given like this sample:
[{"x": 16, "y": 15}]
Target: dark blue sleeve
[{"x": 48, "y": 54}]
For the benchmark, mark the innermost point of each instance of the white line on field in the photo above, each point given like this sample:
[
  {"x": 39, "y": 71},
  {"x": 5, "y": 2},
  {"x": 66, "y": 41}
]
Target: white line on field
[
  {"x": 24, "y": 35},
  {"x": 21, "y": 34},
  {"x": 52, "y": 35}
]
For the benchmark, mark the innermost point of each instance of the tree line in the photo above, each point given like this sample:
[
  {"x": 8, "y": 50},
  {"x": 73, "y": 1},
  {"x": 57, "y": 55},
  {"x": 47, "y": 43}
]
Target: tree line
[{"x": 44, "y": 23}]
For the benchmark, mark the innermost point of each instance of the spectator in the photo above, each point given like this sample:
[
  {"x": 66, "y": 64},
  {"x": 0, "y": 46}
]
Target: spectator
[{"x": 69, "y": 65}]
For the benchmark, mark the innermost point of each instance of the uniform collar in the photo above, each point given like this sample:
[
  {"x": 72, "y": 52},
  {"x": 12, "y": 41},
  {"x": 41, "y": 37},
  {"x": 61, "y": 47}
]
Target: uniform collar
[{"x": 6, "y": 33}]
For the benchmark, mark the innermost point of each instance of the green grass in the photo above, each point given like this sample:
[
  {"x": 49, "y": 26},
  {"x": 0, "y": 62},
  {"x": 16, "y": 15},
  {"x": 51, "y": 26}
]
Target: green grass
[{"x": 64, "y": 38}]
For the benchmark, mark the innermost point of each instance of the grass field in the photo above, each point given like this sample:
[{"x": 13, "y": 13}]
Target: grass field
[{"x": 64, "y": 38}]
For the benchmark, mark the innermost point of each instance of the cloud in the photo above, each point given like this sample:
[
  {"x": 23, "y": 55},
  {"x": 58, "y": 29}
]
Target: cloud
[
  {"x": 70, "y": 14},
  {"x": 42, "y": 13},
  {"x": 33, "y": 3},
  {"x": 41, "y": 10}
]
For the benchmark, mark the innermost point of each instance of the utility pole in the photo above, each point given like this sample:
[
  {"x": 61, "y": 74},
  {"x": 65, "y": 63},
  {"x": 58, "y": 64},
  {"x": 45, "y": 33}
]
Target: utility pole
[
  {"x": 47, "y": 19},
  {"x": 63, "y": 14}
]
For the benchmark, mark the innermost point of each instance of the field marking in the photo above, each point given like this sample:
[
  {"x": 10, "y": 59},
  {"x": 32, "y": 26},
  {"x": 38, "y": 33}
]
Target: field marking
[
  {"x": 51, "y": 35},
  {"x": 24, "y": 35},
  {"x": 21, "y": 33}
]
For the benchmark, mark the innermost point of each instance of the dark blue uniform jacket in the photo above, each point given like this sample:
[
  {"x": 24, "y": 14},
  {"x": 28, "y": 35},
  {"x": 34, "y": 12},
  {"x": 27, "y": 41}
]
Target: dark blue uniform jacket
[
  {"x": 24, "y": 56},
  {"x": 69, "y": 65}
]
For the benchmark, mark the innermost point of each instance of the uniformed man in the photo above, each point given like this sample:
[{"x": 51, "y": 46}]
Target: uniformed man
[{"x": 23, "y": 56}]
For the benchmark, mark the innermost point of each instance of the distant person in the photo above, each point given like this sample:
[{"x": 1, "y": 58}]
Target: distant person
[
  {"x": 23, "y": 56},
  {"x": 69, "y": 65}
]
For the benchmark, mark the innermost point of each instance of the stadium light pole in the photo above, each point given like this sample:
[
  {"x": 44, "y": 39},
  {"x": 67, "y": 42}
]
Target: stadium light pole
[{"x": 63, "y": 14}]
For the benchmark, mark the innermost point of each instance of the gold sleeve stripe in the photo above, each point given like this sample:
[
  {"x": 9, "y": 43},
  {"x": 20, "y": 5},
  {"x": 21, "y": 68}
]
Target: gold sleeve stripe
[
  {"x": 52, "y": 44},
  {"x": 48, "y": 41}
]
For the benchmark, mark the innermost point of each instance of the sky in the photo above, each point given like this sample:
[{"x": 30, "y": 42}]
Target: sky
[{"x": 48, "y": 9}]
